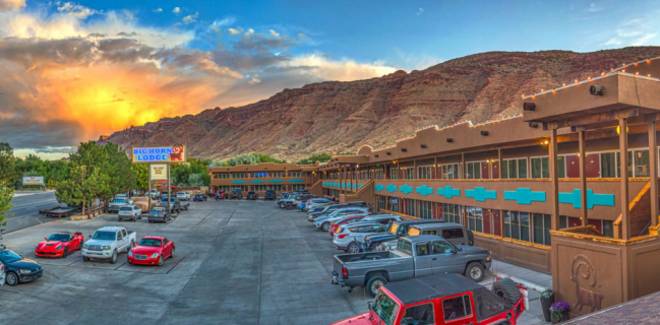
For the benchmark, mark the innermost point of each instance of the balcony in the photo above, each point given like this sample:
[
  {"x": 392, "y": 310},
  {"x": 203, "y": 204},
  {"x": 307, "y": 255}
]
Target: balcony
[
  {"x": 344, "y": 185},
  {"x": 260, "y": 181}
]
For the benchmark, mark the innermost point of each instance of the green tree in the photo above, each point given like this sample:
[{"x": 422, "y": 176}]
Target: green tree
[
  {"x": 194, "y": 172},
  {"x": 6, "y": 194},
  {"x": 248, "y": 159},
  {"x": 7, "y": 164},
  {"x": 141, "y": 172},
  {"x": 316, "y": 158}
]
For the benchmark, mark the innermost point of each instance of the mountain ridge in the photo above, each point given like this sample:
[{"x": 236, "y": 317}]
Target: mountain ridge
[{"x": 339, "y": 117}]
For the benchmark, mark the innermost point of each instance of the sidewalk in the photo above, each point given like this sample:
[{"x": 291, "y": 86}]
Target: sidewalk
[{"x": 535, "y": 281}]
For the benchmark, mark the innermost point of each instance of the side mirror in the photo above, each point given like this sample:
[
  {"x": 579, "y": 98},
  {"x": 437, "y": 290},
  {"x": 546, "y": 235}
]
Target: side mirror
[
  {"x": 453, "y": 251},
  {"x": 370, "y": 305}
]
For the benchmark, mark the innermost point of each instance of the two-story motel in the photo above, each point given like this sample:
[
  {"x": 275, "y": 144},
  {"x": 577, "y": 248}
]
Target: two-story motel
[
  {"x": 564, "y": 188},
  {"x": 262, "y": 177}
]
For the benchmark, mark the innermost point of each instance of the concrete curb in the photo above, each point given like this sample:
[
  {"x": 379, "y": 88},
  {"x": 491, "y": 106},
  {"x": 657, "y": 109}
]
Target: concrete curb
[{"x": 527, "y": 284}]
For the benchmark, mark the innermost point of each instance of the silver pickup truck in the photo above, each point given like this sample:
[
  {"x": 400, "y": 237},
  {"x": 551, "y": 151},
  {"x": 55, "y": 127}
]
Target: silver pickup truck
[{"x": 413, "y": 257}]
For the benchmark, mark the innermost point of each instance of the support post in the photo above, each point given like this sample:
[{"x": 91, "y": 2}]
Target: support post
[
  {"x": 434, "y": 171},
  {"x": 583, "y": 176},
  {"x": 499, "y": 163},
  {"x": 554, "y": 177},
  {"x": 623, "y": 169},
  {"x": 653, "y": 170},
  {"x": 463, "y": 174}
]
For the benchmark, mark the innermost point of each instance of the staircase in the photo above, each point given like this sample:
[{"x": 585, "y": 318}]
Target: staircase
[
  {"x": 639, "y": 212},
  {"x": 366, "y": 193},
  {"x": 316, "y": 188}
]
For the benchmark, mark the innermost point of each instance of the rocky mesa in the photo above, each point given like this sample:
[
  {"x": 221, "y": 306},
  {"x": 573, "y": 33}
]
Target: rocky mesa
[{"x": 339, "y": 117}]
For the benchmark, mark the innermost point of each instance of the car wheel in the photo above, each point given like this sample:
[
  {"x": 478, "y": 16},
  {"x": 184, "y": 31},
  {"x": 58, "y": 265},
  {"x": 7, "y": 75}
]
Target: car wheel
[
  {"x": 11, "y": 279},
  {"x": 353, "y": 248},
  {"x": 325, "y": 226},
  {"x": 66, "y": 252},
  {"x": 114, "y": 257},
  {"x": 374, "y": 283},
  {"x": 475, "y": 271},
  {"x": 85, "y": 259}
]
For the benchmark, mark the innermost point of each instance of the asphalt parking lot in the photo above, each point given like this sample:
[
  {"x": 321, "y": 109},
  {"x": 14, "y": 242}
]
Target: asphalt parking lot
[{"x": 237, "y": 262}]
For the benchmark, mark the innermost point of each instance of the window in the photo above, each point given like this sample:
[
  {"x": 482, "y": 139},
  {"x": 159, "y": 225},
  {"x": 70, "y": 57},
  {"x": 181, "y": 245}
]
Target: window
[
  {"x": 419, "y": 315},
  {"x": 440, "y": 247},
  {"x": 516, "y": 225},
  {"x": 394, "y": 172},
  {"x": 449, "y": 171},
  {"x": 540, "y": 168},
  {"x": 385, "y": 308},
  {"x": 475, "y": 218},
  {"x": 450, "y": 213},
  {"x": 452, "y": 233},
  {"x": 422, "y": 250},
  {"x": 473, "y": 169},
  {"x": 541, "y": 223},
  {"x": 425, "y": 172},
  {"x": 514, "y": 168},
  {"x": 609, "y": 164},
  {"x": 456, "y": 308},
  {"x": 641, "y": 163},
  {"x": 381, "y": 201},
  {"x": 394, "y": 204},
  {"x": 425, "y": 209}
]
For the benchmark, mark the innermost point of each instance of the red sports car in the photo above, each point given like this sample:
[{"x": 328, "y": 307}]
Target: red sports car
[
  {"x": 152, "y": 250},
  {"x": 59, "y": 244}
]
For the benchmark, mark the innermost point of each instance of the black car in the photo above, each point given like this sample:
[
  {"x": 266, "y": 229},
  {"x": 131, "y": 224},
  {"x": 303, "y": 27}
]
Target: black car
[
  {"x": 270, "y": 195},
  {"x": 159, "y": 214},
  {"x": 236, "y": 194},
  {"x": 19, "y": 269},
  {"x": 252, "y": 195},
  {"x": 199, "y": 197}
]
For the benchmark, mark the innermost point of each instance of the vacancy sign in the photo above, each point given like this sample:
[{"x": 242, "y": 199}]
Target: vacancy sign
[{"x": 158, "y": 172}]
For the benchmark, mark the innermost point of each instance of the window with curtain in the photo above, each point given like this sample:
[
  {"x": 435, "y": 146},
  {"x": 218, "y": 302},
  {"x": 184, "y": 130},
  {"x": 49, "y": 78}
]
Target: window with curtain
[
  {"x": 473, "y": 169},
  {"x": 514, "y": 168},
  {"x": 475, "y": 218},
  {"x": 540, "y": 168},
  {"x": 449, "y": 171},
  {"x": 425, "y": 172},
  {"x": 450, "y": 213}
]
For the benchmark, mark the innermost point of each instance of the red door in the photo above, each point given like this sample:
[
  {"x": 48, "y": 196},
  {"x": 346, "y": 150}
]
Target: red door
[
  {"x": 572, "y": 166},
  {"x": 592, "y": 167}
]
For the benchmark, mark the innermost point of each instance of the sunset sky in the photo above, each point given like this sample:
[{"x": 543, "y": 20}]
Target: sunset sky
[{"x": 72, "y": 71}]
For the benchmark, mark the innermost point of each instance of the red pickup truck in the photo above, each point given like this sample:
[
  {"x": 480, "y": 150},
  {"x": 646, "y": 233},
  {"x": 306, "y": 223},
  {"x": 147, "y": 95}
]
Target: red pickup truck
[{"x": 445, "y": 299}]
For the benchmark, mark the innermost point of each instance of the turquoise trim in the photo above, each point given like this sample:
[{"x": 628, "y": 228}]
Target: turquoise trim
[
  {"x": 256, "y": 181},
  {"x": 481, "y": 194},
  {"x": 593, "y": 199},
  {"x": 448, "y": 191},
  {"x": 276, "y": 181},
  {"x": 238, "y": 182},
  {"x": 296, "y": 180},
  {"x": 405, "y": 189},
  {"x": 524, "y": 196},
  {"x": 379, "y": 187},
  {"x": 391, "y": 188},
  {"x": 424, "y": 190}
]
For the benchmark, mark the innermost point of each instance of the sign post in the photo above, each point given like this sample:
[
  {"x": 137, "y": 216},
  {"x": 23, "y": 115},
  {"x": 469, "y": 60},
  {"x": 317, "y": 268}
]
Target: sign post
[{"x": 160, "y": 159}]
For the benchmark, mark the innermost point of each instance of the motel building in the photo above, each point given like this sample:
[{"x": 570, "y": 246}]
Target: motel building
[
  {"x": 569, "y": 187},
  {"x": 262, "y": 177},
  {"x": 565, "y": 188}
]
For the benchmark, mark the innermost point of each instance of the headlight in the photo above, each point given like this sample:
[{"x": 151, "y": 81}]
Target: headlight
[
  {"x": 130, "y": 253},
  {"x": 105, "y": 247},
  {"x": 154, "y": 255},
  {"x": 85, "y": 246},
  {"x": 59, "y": 246},
  {"x": 24, "y": 271}
]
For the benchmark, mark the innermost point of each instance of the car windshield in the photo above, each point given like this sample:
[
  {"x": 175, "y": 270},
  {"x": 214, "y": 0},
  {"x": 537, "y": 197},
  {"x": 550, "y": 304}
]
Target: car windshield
[
  {"x": 125, "y": 208},
  {"x": 151, "y": 242},
  {"x": 104, "y": 235},
  {"x": 386, "y": 308},
  {"x": 119, "y": 201},
  {"x": 9, "y": 256},
  {"x": 59, "y": 237},
  {"x": 157, "y": 211}
]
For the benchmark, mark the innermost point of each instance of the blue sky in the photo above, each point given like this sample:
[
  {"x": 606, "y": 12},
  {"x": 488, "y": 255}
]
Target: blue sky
[
  {"x": 410, "y": 34},
  {"x": 133, "y": 62}
]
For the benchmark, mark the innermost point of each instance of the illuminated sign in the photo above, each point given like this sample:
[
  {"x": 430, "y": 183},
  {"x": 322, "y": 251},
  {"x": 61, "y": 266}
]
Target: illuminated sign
[
  {"x": 159, "y": 154},
  {"x": 158, "y": 172},
  {"x": 33, "y": 180}
]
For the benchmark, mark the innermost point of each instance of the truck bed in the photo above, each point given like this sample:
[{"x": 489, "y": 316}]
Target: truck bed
[{"x": 347, "y": 258}]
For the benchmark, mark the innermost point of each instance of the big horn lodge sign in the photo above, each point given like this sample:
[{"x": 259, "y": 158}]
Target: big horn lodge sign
[{"x": 170, "y": 154}]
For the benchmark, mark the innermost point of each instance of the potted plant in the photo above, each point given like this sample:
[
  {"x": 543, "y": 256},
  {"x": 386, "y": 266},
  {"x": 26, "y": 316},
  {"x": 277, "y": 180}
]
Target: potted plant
[{"x": 559, "y": 311}]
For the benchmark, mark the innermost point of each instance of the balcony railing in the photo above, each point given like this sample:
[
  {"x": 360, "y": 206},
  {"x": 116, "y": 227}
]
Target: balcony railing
[{"x": 260, "y": 181}]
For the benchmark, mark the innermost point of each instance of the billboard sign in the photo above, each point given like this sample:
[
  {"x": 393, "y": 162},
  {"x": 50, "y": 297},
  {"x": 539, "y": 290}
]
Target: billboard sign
[
  {"x": 171, "y": 154},
  {"x": 158, "y": 172},
  {"x": 33, "y": 181}
]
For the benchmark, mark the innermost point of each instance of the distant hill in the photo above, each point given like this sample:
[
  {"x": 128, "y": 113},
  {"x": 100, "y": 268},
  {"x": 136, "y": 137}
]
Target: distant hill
[{"x": 342, "y": 116}]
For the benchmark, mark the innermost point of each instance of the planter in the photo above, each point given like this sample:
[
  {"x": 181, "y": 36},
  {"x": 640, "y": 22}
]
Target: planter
[{"x": 558, "y": 317}]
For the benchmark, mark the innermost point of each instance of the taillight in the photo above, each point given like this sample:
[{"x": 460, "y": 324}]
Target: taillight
[
  {"x": 342, "y": 236},
  {"x": 344, "y": 272}
]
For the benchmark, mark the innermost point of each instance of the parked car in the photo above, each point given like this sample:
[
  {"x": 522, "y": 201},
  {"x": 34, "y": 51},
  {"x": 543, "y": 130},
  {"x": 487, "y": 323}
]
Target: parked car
[
  {"x": 2, "y": 274},
  {"x": 236, "y": 194},
  {"x": 323, "y": 222},
  {"x": 159, "y": 214},
  {"x": 175, "y": 205},
  {"x": 384, "y": 219},
  {"x": 152, "y": 250},
  {"x": 252, "y": 195},
  {"x": 59, "y": 244},
  {"x": 199, "y": 197},
  {"x": 395, "y": 230},
  {"x": 348, "y": 236},
  {"x": 446, "y": 299},
  {"x": 453, "y": 232},
  {"x": 154, "y": 194},
  {"x": 335, "y": 225},
  {"x": 413, "y": 257},
  {"x": 107, "y": 243},
  {"x": 129, "y": 212},
  {"x": 270, "y": 195},
  {"x": 331, "y": 207},
  {"x": 220, "y": 195},
  {"x": 18, "y": 269},
  {"x": 183, "y": 196},
  {"x": 117, "y": 203},
  {"x": 316, "y": 201}
]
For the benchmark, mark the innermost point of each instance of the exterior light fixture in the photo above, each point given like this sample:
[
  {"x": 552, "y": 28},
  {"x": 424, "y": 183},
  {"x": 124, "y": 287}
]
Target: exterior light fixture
[
  {"x": 545, "y": 142},
  {"x": 597, "y": 90}
]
